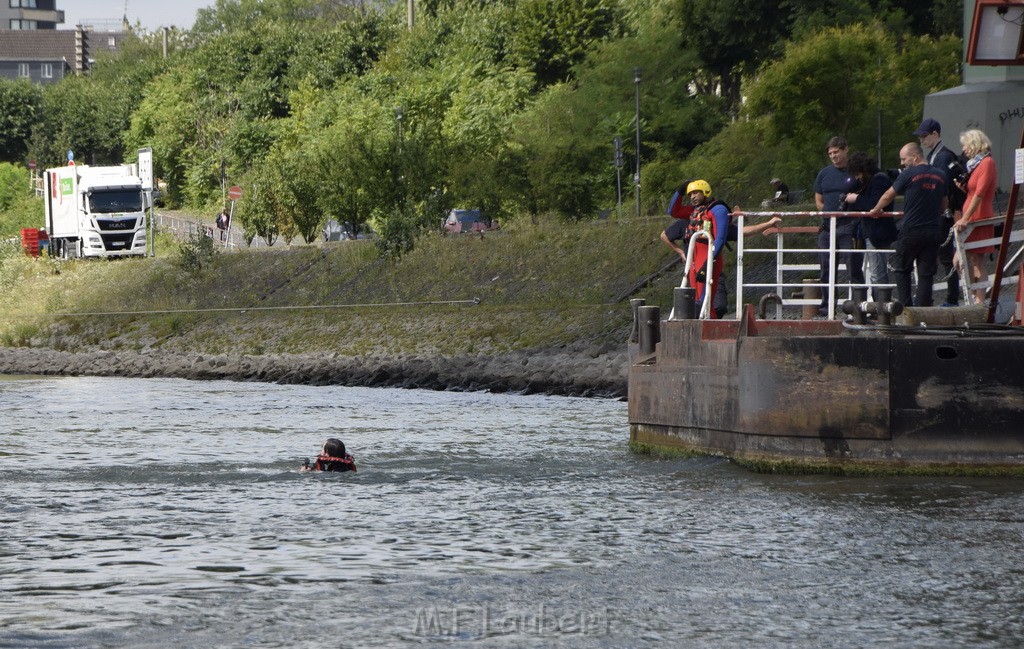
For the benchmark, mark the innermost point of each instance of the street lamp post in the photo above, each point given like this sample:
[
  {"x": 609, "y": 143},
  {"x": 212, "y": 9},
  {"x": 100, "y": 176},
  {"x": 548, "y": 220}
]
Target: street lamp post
[{"x": 636, "y": 178}]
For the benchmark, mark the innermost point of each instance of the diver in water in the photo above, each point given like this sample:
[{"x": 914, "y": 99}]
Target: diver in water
[{"x": 332, "y": 458}]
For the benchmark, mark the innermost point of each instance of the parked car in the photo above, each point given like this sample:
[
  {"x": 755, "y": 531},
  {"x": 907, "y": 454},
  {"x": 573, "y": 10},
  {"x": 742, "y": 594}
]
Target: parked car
[{"x": 467, "y": 221}]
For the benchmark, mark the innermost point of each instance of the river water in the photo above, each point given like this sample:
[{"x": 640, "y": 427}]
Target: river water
[{"x": 156, "y": 513}]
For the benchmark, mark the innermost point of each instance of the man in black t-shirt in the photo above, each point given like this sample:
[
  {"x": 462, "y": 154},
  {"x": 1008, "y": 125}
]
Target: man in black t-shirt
[{"x": 925, "y": 201}]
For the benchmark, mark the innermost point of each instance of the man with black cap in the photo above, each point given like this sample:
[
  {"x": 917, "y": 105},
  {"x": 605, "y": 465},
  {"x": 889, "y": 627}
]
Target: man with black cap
[{"x": 939, "y": 155}]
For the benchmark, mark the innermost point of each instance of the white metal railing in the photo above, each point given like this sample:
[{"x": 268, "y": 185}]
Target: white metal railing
[
  {"x": 785, "y": 266},
  {"x": 1013, "y": 257},
  {"x": 185, "y": 228}
]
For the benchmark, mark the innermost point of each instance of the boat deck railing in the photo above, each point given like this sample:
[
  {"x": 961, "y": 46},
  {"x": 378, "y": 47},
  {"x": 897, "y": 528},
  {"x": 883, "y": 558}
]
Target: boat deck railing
[
  {"x": 790, "y": 266},
  {"x": 1013, "y": 258}
]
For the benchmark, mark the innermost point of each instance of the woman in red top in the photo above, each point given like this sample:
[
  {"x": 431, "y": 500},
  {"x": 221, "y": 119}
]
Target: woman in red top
[{"x": 981, "y": 193}]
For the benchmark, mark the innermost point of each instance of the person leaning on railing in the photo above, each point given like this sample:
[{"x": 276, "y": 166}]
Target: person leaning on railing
[
  {"x": 877, "y": 234},
  {"x": 831, "y": 187},
  {"x": 924, "y": 190}
]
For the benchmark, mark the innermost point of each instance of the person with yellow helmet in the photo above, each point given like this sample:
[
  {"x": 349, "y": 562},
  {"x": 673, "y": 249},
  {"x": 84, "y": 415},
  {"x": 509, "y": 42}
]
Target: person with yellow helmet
[{"x": 711, "y": 216}]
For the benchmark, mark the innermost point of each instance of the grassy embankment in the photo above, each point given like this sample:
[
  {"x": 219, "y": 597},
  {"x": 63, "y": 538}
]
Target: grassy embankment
[{"x": 551, "y": 286}]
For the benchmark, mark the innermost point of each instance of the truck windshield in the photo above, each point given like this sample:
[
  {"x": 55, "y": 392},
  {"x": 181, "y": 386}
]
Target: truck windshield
[{"x": 121, "y": 200}]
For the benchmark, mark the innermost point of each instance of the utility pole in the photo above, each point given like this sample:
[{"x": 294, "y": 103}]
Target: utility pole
[
  {"x": 410, "y": 11},
  {"x": 636, "y": 178},
  {"x": 399, "y": 116},
  {"x": 618, "y": 170}
]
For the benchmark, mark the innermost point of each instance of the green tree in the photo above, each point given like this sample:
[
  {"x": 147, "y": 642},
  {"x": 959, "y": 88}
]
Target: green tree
[
  {"x": 259, "y": 209},
  {"x": 166, "y": 121},
  {"x": 566, "y": 133},
  {"x": 731, "y": 37},
  {"x": 20, "y": 102},
  {"x": 13, "y": 184},
  {"x": 911, "y": 17},
  {"x": 81, "y": 115},
  {"x": 841, "y": 81},
  {"x": 549, "y": 37},
  {"x": 19, "y": 208},
  {"x": 126, "y": 72}
]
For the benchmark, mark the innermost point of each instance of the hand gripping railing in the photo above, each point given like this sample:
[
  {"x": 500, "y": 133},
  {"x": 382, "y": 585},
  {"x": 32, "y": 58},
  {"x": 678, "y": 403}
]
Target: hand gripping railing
[{"x": 705, "y": 308}]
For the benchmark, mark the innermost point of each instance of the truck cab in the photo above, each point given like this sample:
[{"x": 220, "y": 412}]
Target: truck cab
[{"x": 95, "y": 211}]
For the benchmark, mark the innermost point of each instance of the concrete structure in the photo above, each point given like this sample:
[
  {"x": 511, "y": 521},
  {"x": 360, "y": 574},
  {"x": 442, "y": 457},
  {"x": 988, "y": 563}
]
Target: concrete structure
[
  {"x": 30, "y": 15},
  {"x": 991, "y": 98},
  {"x": 47, "y": 56},
  {"x": 816, "y": 396}
]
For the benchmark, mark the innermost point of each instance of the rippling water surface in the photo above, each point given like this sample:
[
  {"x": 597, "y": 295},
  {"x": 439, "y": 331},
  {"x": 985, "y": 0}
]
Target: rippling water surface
[{"x": 156, "y": 513}]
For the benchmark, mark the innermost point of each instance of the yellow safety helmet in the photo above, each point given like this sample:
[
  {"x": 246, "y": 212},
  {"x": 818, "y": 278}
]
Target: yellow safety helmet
[{"x": 699, "y": 185}]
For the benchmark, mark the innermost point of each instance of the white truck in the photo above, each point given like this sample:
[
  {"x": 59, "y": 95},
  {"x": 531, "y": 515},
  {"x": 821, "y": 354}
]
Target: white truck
[{"x": 95, "y": 211}]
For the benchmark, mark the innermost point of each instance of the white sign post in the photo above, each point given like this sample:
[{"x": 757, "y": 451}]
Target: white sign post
[
  {"x": 234, "y": 193},
  {"x": 146, "y": 176}
]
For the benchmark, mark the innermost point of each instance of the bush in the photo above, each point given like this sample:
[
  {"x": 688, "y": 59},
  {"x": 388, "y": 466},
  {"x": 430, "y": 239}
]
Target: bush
[
  {"x": 198, "y": 251},
  {"x": 26, "y": 211},
  {"x": 18, "y": 206}
]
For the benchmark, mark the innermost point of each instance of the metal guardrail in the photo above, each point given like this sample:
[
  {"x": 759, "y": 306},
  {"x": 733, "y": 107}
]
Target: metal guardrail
[
  {"x": 791, "y": 264},
  {"x": 232, "y": 239},
  {"x": 1013, "y": 258}
]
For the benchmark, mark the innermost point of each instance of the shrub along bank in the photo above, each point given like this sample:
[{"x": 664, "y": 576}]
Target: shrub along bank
[{"x": 535, "y": 309}]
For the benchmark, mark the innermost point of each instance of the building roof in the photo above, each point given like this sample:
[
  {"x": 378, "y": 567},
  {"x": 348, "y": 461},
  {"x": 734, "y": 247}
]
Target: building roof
[
  {"x": 56, "y": 44},
  {"x": 37, "y": 45}
]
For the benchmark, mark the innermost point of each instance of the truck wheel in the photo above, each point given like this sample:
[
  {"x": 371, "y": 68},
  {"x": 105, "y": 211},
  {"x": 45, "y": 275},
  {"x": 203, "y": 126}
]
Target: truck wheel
[{"x": 68, "y": 249}]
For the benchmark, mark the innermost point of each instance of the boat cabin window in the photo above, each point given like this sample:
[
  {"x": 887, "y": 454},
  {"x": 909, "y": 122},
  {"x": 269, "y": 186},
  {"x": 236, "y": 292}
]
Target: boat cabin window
[{"x": 117, "y": 200}]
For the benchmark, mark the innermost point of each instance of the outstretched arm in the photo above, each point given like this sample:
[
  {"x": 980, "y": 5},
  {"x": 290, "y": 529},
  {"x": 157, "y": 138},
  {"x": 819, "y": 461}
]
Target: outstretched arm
[
  {"x": 671, "y": 244},
  {"x": 883, "y": 201},
  {"x": 761, "y": 227}
]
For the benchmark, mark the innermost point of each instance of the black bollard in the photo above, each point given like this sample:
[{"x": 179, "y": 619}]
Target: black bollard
[
  {"x": 860, "y": 298},
  {"x": 886, "y": 306},
  {"x": 635, "y": 304},
  {"x": 684, "y": 303},
  {"x": 650, "y": 328}
]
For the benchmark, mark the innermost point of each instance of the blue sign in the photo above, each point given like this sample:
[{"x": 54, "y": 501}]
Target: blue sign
[{"x": 71, "y": 154}]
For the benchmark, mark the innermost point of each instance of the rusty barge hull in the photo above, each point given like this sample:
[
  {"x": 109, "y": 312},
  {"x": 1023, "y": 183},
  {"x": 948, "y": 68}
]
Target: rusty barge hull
[{"x": 818, "y": 396}]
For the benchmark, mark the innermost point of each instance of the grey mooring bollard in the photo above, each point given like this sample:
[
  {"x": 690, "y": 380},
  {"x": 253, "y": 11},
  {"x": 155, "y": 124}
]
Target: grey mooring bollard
[
  {"x": 635, "y": 304},
  {"x": 650, "y": 328},
  {"x": 810, "y": 311}
]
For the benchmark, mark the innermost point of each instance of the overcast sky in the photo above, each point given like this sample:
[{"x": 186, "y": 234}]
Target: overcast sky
[{"x": 153, "y": 14}]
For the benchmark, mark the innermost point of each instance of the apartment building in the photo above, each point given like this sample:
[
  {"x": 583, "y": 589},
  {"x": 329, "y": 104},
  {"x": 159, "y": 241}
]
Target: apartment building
[
  {"x": 32, "y": 48},
  {"x": 30, "y": 15}
]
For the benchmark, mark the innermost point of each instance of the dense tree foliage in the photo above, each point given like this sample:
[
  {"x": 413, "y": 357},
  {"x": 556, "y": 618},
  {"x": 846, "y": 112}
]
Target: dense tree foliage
[
  {"x": 19, "y": 106},
  {"x": 333, "y": 109}
]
